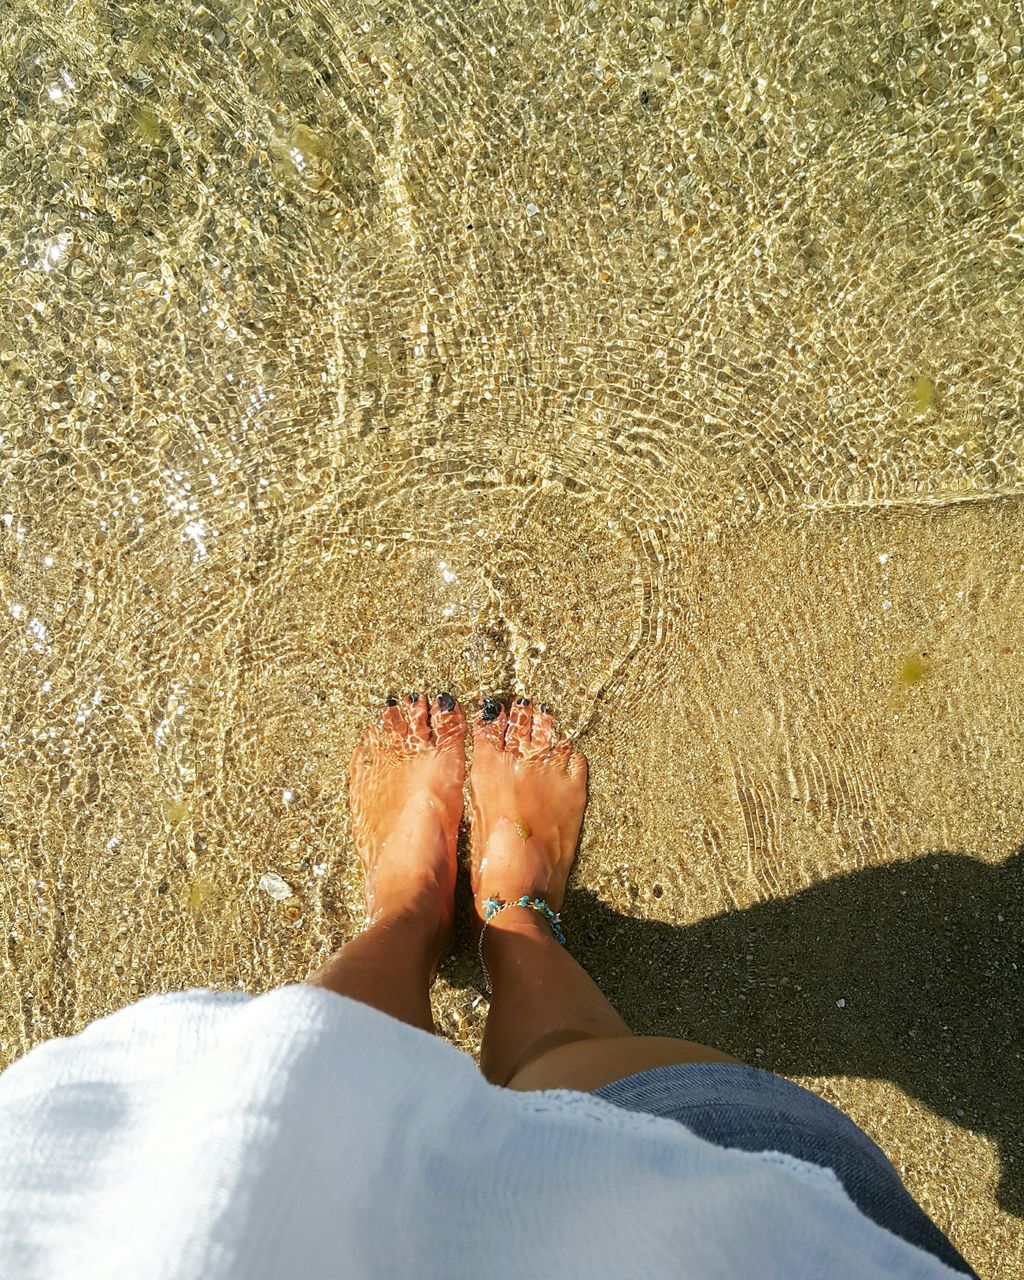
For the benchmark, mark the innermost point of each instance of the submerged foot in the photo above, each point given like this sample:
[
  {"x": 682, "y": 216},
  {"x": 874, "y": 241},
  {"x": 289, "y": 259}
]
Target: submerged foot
[
  {"x": 405, "y": 785},
  {"x": 528, "y": 792}
]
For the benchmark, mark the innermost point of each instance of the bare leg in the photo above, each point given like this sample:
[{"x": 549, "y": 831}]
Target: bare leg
[
  {"x": 405, "y": 778},
  {"x": 549, "y": 1026},
  {"x": 391, "y": 966}
]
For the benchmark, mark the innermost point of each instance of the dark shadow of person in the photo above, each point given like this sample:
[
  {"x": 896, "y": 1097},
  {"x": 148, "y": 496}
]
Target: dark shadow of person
[{"x": 909, "y": 972}]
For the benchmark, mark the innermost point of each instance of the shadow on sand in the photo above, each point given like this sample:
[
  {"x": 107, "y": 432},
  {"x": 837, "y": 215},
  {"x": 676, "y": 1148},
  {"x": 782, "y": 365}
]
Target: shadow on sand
[{"x": 926, "y": 955}]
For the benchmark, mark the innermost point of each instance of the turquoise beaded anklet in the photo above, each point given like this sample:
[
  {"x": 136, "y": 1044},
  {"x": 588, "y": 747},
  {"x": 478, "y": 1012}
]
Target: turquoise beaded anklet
[{"x": 493, "y": 905}]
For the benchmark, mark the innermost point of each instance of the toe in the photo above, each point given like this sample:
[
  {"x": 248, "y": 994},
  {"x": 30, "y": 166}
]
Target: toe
[
  {"x": 360, "y": 758},
  {"x": 416, "y": 709},
  {"x": 447, "y": 721},
  {"x": 577, "y": 766},
  {"x": 543, "y": 732},
  {"x": 365, "y": 754},
  {"x": 394, "y": 726},
  {"x": 490, "y": 723},
  {"x": 519, "y": 728}
]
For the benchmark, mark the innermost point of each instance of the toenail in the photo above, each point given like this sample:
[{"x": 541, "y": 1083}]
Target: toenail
[
  {"x": 545, "y": 709},
  {"x": 522, "y": 702},
  {"x": 445, "y": 702},
  {"x": 414, "y": 697},
  {"x": 392, "y": 702},
  {"x": 492, "y": 709}
]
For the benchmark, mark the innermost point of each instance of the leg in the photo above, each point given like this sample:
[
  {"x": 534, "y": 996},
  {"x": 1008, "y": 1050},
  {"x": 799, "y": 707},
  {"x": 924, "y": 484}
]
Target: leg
[
  {"x": 390, "y": 965},
  {"x": 406, "y": 777},
  {"x": 542, "y": 1000},
  {"x": 549, "y": 1026}
]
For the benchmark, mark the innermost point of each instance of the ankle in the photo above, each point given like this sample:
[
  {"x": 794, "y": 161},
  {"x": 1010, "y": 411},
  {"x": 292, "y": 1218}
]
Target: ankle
[
  {"x": 515, "y": 888},
  {"x": 425, "y": 901},
  {"x": 519, "y": 921},
  {"x": 418, "y": 932}
]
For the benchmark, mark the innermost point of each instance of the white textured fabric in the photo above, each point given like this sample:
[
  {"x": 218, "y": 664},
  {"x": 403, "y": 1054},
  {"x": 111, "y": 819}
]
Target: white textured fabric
[{"x": 301, "y": 1134}]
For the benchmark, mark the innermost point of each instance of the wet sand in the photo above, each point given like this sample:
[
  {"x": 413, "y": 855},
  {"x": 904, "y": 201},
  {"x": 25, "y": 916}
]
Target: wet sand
[{"x": 663, "y": 367}]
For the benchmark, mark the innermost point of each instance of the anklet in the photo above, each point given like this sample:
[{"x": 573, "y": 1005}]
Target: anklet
[{"x": 493, "y": 905}]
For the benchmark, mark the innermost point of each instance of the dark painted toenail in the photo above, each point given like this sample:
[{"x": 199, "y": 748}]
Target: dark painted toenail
[
  {"x": 491, "y": 710},
  {"x": 392, "y": 702},
  {"x": 414, "y": 697},
  {"x": 445, "y": 702},
  {"x": 522, "y": 702},
  {"x": 545, "y": 709}
]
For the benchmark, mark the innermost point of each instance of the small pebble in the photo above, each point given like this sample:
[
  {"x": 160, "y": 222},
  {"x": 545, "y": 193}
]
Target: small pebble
[{"x": 272, "y": 884}]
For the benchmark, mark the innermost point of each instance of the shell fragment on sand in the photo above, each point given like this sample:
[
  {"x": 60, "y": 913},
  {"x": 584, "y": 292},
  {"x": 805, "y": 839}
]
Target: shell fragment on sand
[{"x": 278, "y": 889}]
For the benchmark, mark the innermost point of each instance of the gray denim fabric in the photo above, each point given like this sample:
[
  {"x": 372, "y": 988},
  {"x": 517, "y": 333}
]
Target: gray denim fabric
[{"x": 754, "y": 1110}]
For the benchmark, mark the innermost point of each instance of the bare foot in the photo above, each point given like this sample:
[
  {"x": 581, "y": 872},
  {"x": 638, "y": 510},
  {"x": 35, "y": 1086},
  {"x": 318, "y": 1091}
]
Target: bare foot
[
  {"x": 405, "y": 785},
  {"x": 528, "y": 791}
]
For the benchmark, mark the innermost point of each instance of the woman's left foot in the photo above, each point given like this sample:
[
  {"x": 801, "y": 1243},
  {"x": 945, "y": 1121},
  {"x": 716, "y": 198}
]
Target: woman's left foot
[{"x": 405, "y": 784}]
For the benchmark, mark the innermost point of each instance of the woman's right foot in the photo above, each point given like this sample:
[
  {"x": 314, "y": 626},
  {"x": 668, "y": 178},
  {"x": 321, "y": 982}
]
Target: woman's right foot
[{"x": 528, "y": 790}]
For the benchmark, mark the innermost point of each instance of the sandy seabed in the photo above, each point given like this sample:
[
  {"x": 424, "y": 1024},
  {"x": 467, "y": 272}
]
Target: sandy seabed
[{"x": 661, "y": 362}]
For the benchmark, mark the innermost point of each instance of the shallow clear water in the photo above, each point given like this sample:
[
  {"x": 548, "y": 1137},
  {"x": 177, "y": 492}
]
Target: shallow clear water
[{"x": 663, "y": 362}]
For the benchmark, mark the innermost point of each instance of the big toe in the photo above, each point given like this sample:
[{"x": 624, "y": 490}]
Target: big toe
[{"x": 490, "y": 724}]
